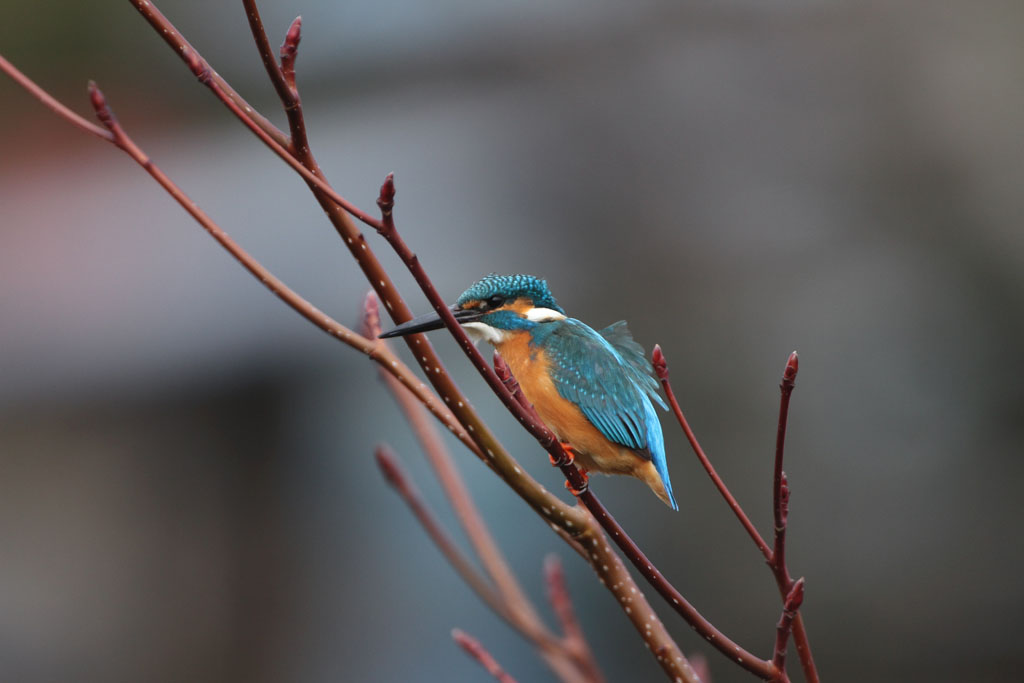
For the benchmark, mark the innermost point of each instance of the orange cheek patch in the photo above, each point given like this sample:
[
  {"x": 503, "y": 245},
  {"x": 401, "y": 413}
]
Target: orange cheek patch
[{"x": 520, "y": 306}]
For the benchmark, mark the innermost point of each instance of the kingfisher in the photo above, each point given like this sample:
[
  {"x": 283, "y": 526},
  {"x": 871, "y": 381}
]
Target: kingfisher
[{"x": 593, "y": 389}]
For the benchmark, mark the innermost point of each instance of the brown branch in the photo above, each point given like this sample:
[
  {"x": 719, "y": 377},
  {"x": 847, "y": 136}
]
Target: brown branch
[
  {"x": 570, "y": 659},
  {"x": 575, "y": 640},
  {"x": 113, "y": 133},
  {"x": 477, "y": 651},
  {"x": 700, "y": 665},
  {"x": 453, "y": 485},
  {"x": 615, "y": 577},
  {"x": 284, "y": 83},
  {"x": 490, "y": 450},
  {"x": 166, "y": 30},
  {"x": 403, "y": 486},
  {"x": 202, "y": 71},
  {"x": 51, "y": 102},
  {"x": 550, "y": 443},
  {"x": 497, "y": 457}
]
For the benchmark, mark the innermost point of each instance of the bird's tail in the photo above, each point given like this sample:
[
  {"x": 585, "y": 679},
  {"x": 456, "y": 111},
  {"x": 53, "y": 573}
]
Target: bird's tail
[{"x": 661, "y": 485}]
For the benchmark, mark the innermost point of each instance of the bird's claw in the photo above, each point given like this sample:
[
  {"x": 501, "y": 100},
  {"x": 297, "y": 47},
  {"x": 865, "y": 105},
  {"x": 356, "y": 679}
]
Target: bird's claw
[
  {"x": 583, "y": 489},
  {"x": 567, "y": 457}
]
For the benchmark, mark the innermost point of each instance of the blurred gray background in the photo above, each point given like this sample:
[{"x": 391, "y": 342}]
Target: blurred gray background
[{"x": 187, "y": 491}]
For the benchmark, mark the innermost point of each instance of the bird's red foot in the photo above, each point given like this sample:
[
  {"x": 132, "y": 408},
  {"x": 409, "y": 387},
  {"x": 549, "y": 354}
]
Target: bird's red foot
[
  {"x": 583, "y": 489},
  {"x": 567, "y": 456}
]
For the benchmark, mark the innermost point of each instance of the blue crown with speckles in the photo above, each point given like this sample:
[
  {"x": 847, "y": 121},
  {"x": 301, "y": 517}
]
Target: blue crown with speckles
[{"x": 511, "y": 287}]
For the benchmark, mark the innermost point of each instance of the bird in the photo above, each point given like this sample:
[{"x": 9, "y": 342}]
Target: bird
[{"x": 593, "y": 389}]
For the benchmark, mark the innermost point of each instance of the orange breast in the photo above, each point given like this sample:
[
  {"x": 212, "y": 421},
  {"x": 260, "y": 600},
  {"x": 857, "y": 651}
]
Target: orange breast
[{"x": 563, "y": 417}]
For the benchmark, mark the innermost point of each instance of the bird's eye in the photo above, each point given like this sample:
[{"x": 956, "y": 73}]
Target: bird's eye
[{"x": 496, "y": 301}]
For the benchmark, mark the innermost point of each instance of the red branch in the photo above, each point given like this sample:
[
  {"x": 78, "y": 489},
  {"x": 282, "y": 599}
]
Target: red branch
[
  {"x": 661, "y": 370},
  {"x": 775, "y": 557},
  {"x": 785, "y": 625},
  {"x": 289, "y": 51},
  {"x": 780, "y": 487},
  {"x": 477, "y": 651},
  {"x": 747, "y": 660},
  {"x": 558, "y": 593}
]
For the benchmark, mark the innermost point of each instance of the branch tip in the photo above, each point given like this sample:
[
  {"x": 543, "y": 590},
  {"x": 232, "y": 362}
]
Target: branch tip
[
  {"x": 659, "y": 363},
  {"x": 792, "y": 366},
  {"x": 389, "y": 466},
  {"x": 100, "y": 106},
  {"x": 477, "y": 651},
  {"x": 293, "y": 36},
  {"x": 290, "y": 50},
  {"x": 386, "y": 198}
]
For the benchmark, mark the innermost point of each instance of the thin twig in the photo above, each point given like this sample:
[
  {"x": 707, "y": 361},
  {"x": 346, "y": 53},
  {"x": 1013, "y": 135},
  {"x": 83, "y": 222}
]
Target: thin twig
[
  {"x": 661, "y": 370},
  {"x": 166, "y": 30},
  {"x": 452, "y": 483},
  {"x": 528, "y": 489},
  {"x": 571, "y": 664},
  {"x": 204, "y": 73},
  {"x": 775, "y": 557},
  {"x": 403, "y": 486},
  {"x": 113, "y": 133},
  {"x": 489, "y": 449},
  {"x": 477, "y": 651},
  {"x": 785, "y": 625},
  {"x": 780, "y": 507},
  {"x": 550, "y": 443},
  {"x": 780, "y": 486},
  {"x": 575, "y": 640},
  {"x": 284, "y": 83},
  {"x": 52, "y": 103}
]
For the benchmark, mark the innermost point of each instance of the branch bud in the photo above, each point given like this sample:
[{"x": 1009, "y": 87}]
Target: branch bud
[
  {"x": 789, "y": 374},
  {"x": 389, "y": 466},
  {"x": 196, "y": 65},
  {"x": 784, "y": 500},
  {"x": 386, "y": 198},
  {"x": 290, "y": 50},
  {"x": 100, "y": 106},
  {"x": 659, "y": 363}
]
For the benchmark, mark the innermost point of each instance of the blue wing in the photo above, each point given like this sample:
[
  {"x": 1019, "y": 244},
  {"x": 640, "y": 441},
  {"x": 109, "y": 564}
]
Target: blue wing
[{"x": 607, "y": 375}]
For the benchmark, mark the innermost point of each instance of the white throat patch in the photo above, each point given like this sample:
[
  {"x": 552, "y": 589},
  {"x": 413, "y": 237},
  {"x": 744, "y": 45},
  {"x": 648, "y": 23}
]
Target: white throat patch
[
  {"x": 543, "y": 315},
  {"x": 483, "y": 332}
]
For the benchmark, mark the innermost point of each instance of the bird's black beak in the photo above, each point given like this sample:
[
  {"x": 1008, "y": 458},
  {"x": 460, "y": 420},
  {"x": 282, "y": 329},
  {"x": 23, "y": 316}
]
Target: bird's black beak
[{"x": 432, "y": 321}]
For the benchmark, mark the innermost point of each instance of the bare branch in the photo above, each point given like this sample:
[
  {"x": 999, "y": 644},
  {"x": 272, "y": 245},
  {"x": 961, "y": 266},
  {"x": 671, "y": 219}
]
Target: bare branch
[
  {"x": 283, "y": 83},
  {"x": 403, "y": 486},
  {"x": 454, "y": 487},
  {"x": 550, "y": 443},
  {"x": 785, "y": 625},
  {"x": 52, "y": 104},
  {"x": 575, "y": 640},
  {"x": 661, "y": 370},
  {"x": 475, "y": 650},
  {"x": 780, "y": 487},
  {"x": 170, "y": 35}
]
